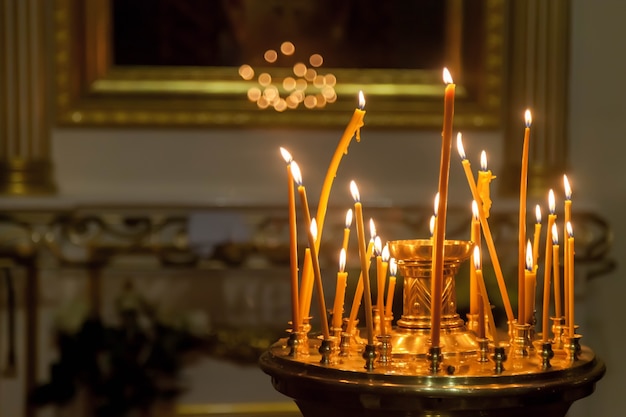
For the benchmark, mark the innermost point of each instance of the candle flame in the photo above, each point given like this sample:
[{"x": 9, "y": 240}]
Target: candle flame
[
  {"x": 386, "y": 253},
  {"x": 286, "y": 155},
  {"x": 568, "y": 189},
  {"x": 342, "y": 260},
  {"x": 313, "y": 229},
  {"x": 475, "y": 211},
  {"x": 477, "y": 258},
  {"x": 447, "y": 77},
  {"x": 529, "y": 256},
  {"x": 570, "y": 230},
  {"x": 361, "y": 100},
  {"x": 348, "y": 218},
  {"x": 483, "y": 161},
  {"x": 378, "y": 246},
  {"x": 295, "y": 171},
  {"x": 551, "y": 201},
  {"x": 436, "y": 205},
  {"x": 433, "y": 219},
  {"x": 459, "y": 146},
  {"x": 528, "y": 118},
  {"x": 372, "y": 229},
  {"x": 555, "y": 235},
  {"x": 393, "y": 267},
  {"x": 538, "y": 213},
  {"x": 355, "y": 192}
]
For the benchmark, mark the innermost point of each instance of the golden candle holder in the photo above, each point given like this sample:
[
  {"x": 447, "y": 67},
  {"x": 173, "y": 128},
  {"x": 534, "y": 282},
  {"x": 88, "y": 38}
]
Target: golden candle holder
[
  {"x": 412, "y": 335},
  {"x": 403, "y": 375},
  {"x": 431, "y": 363}
]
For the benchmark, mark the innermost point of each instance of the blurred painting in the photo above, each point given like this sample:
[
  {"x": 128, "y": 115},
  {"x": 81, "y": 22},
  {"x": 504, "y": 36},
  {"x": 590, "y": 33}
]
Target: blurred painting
[{"x": 347, "y": 33}]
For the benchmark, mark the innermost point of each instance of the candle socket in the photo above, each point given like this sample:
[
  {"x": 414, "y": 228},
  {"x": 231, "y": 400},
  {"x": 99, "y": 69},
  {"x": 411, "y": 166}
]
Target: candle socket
[
  {"x": 483, "y": 350},
  {"x": 336, "y": 332},
  {"x": 573, "y": 347},
  {"x": 566, "y": 332},
  {"x": 303, "y": 337},
  {"x": 356, "y": 342},
  {"x": 369, "y": 354},
  {"x": 472, "y": 322},
  {"x": 384, "y": 349},
  {"x": 377, "y": 322},
  {"x": 335, "y": 337},
  {"x": 325, "y": 350},
  {"x": 521, "y": 340},
  {"x": 558, "y": 331},
  {"x": 344, "y": 345},
  {"x": 293, "y": 342},
  {"x": 546, "y": 355},
  {"x": 435, "y": 358},
  {"x": 499, "y": 357}
]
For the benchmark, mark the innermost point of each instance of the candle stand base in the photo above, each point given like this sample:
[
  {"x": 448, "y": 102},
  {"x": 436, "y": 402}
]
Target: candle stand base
[
  {"x": 407, "y": 388},
  {"x": 403, "y": 375}
]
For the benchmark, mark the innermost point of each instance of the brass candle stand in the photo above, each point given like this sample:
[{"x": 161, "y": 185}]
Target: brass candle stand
[{"x": 466, "y": 376}]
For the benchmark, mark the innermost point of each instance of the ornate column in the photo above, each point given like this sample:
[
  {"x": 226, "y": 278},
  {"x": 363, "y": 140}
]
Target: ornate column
[
  {"x": 25, "y": 166},
  {"x": 537, "y": 62}
]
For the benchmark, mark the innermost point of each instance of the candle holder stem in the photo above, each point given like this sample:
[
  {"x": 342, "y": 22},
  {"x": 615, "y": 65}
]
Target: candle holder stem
[
  {"x": 521, "y": 340},
  {"x": 573, "y": 347},
  {"x": 483, "y": 350},
  {"x": 499, "y": 357},
  {"x": 384, "y": 349},
  {"x": 325, "y": 350},
  {"x": 435, "y": 358},
  {"x": 344, "y": 345},
  {"x": 369, "y": 354},
  {"x": 546, "y": 355},
  {"x": 557, "y": 331},
  {"x": 293, "y": 342}
]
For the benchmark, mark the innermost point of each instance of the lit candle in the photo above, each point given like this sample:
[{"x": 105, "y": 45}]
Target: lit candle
[
  {"x": 483, "y": 183},
  {"x": 307, "y": 269},
  {"x": 547, "y": 270},
  {"x": 570, "y": 279},
  {"x": 293, "y": 243},
  {"x": 360, "y": 232},
  {"x": 486, "y": 305},
  {"x": 567, "y": 219},
  {"x": 568, "y": 199},
  {"x": 380, "y": 280},
  {"x": 530, "y": 282},
  {"x": 383, "y": 272},
  {"x": 321, "y": 303},
  {"x": 393, "y": 268},
  {"x": 536, "y": 235},
  {"x": 340, "y": 291},
  {"x": 522, "y": 219},
  {"x": 475, "y": 238},
  {"x": 486, "y": 231},
  {"x": 556, "y": 272},
  {"x": 440, "y": 226},
  {"x": 352, "y": 130},
  {"x": 346, "y": 230}
]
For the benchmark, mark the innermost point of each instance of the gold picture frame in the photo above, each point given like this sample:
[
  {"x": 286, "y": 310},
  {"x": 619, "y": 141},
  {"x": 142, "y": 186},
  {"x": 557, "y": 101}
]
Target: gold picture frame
[{"x": 92, "y": 91}]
